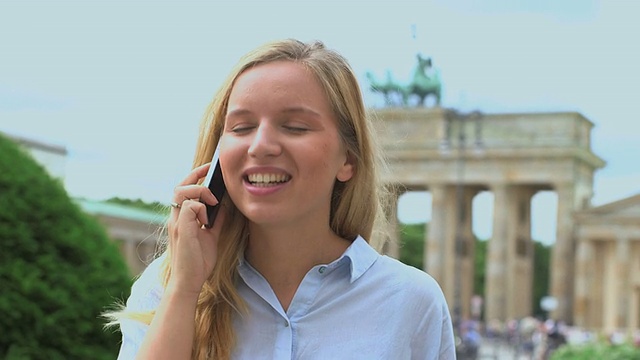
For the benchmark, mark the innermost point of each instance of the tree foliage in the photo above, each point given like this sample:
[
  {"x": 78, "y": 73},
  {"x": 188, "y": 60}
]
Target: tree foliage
[
  {"x": 412, "y": 244},
  {"x": 541, "y": 275},
  {"x": 140, "y": 204},
  {"x": 58, "y": 269},
  {"x": 480, "y": 267}
]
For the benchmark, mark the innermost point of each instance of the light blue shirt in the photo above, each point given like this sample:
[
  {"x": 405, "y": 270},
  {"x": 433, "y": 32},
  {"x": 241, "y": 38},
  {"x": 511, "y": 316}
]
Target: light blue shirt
[{"x": 360, "y": 306}]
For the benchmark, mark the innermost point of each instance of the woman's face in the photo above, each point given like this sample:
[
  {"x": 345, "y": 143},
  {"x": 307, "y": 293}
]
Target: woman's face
[{"x": 280, "y": 148}]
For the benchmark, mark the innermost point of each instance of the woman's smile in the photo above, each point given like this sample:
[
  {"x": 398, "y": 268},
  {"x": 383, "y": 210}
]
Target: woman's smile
[{"x": 265, "y": 181}]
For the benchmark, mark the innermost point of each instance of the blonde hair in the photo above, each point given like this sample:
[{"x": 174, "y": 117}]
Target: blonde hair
[{"x": 356, "y": 205}]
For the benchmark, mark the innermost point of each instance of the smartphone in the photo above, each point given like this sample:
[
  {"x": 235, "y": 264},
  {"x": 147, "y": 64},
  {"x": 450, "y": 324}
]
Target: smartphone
[{"x": 215, "y": 182}]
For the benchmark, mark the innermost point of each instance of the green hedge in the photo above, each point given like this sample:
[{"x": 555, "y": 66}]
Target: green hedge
[
  {"x": 58, "y": 269},
  {"x": 597, "y": 350}
]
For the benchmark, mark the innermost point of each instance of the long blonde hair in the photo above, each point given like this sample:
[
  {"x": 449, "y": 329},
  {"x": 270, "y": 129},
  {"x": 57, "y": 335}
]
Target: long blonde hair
[{"x": 356, "y": 205}]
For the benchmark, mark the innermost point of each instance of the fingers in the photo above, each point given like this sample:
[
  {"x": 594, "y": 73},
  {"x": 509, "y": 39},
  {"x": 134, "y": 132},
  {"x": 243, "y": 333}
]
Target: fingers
[
  {"x": 190, "y": 213},
  {"x": 189, "y": 199},
  {"x": 188, "y": 219},
  {"x": 193, "y": 209},
  {"x": 196, "y": 174},
  {"x": 193, "y": 192},
  {"x": 193, "y": 247},
  {"x": 189, "y": 188}
]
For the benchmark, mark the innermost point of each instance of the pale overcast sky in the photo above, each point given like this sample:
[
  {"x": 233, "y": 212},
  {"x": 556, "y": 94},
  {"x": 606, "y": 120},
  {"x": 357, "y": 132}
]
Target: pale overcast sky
[{"x": 122, "y": 84}]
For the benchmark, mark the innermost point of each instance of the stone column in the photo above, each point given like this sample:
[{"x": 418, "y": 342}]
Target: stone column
[
  {"x": 467, "y": 251},
  {"x": 562, "y": 255},
  {"x": 439, "y": 257},
  {"x": 496, "y": 280},
  {"x": 609, "y": 286},
  {"x": 510, "y": 254},
  {"x": 435, "y": 235},
  {"x": 584, "y": 262},
  {"x": 520, "y": 255},
  {"x": 634, "y": 314},
  {"x": 634, "y": 306},
  {"x": 597, "y": 284},
  {"x": 623, "y": 289},
  {"x": 392, "y": 246}
]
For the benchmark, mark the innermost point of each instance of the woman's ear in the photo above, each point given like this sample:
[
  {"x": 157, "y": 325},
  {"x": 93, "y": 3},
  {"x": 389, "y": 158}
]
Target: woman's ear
[{"x": 348, "y": 168}]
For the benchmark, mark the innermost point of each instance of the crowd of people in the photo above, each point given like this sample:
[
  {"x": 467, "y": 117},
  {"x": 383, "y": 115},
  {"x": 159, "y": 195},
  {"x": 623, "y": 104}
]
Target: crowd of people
[{"x": 529, "y": 338}]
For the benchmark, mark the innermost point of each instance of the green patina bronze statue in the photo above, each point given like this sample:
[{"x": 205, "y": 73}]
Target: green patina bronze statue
[{"x": 422, "y": 85}]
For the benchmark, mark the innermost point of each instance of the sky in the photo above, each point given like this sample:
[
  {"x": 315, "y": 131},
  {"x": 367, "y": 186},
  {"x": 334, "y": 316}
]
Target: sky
[{"x": 123, "y": 84}]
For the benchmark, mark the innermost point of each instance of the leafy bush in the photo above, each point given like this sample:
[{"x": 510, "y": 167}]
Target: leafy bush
[
  {"x": 58, "y": 269},
  {"x": 155, "y": 206},
  {"x": 597, "y": 350},
  {"x": 412, "y": 244}
]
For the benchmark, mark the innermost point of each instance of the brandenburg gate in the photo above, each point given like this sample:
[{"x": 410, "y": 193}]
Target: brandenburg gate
[{"x": 454, "y": 157}]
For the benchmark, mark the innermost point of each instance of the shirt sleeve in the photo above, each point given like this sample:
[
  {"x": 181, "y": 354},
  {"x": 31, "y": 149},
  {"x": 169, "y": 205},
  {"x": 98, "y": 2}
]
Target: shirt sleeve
[
  {"x": 447, "y": 342},
  {"x": 434, "y": 337},
  {"x": 145, "y": 296}
]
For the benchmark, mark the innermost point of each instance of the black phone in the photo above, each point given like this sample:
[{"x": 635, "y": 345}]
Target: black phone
[{"x": 215, "y": 182}]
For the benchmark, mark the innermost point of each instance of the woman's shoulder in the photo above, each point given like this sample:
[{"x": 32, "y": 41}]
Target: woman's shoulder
[
  {"x": 414, "y": 294},
  {"x": 147, "y": 288},
  {"x": 411, "y": 280}
]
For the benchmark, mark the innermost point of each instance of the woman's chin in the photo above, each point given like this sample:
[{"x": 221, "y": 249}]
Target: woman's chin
[{"x": 264, "y": 217}]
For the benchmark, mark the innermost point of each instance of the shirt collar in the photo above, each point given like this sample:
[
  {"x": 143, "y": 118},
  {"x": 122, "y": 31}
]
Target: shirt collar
[{"x": 359, "y": 254}]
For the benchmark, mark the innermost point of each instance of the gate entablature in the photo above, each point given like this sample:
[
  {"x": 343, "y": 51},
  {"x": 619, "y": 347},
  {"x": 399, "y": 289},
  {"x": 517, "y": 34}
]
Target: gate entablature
[{"x": 535, "y": 148}]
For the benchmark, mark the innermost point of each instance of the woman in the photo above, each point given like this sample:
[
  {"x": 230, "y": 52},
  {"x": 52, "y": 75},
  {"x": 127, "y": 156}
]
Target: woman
[{"x": 286, "y": 271}]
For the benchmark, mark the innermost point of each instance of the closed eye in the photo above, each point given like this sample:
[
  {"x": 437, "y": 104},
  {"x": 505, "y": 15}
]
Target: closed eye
[
  {"x": 295, "y": 129},
  {"x": 241, "y": 129}
]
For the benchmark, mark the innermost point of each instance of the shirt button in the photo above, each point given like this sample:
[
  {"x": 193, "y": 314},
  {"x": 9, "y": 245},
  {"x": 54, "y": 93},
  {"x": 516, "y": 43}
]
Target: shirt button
[
  {"x": 322, "y": 269},
  {"x": 286, "y": 323}
]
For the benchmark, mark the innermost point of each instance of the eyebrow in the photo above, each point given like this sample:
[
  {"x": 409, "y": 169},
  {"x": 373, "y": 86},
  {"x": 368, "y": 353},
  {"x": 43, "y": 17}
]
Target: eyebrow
[
  {"x": 301, "y": 109},
  {"x": 237, "y": 112},
  {"x": 289, "y": 110}
]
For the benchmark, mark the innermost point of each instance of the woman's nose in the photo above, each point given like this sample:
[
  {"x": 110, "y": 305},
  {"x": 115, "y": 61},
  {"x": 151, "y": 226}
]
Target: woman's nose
[{"x": 265, "y": 142}]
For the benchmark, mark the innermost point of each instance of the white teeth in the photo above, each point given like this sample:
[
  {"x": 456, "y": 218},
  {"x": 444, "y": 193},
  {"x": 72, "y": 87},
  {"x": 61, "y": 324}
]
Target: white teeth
[{"x": 267, "y": 179}]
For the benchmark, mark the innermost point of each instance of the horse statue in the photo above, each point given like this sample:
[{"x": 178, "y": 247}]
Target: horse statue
[
  {"x": 388, "y": 88},
  {"x": 424, "y": 83}
]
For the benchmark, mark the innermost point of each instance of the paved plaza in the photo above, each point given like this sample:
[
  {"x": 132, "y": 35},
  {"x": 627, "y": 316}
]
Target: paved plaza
[{"x": 499, "y": 351}]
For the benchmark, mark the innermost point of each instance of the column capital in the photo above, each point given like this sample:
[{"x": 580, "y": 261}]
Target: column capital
[
  {"x": 494, "y": 186},
  {"x": 434, "y": 185},
  {"x": 563, "y": 186}
]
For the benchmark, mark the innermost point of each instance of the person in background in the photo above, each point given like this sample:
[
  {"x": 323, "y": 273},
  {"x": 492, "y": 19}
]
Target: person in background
[{"x": 289, "y": 268}]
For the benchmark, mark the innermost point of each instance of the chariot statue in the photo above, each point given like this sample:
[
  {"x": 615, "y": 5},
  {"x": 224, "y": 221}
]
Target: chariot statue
[{"x": 424, "y": 83}]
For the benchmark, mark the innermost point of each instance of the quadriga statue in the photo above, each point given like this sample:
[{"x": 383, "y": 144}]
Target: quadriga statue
[
  {"x": 393, "y": 92},
  {"x": 423, "y": 84}
]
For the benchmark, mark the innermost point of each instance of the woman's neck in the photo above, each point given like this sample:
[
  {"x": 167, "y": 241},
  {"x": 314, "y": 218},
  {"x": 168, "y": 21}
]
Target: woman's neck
[{"x": 284, "y": 255}]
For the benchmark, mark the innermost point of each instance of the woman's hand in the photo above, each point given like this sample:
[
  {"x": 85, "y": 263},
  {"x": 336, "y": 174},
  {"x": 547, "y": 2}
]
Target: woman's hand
[{"x": 192, "y": 246}]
